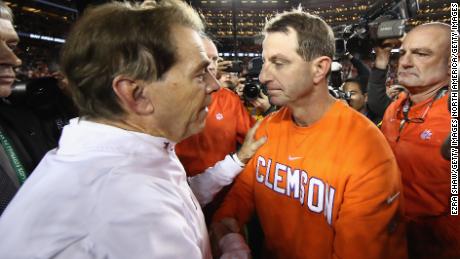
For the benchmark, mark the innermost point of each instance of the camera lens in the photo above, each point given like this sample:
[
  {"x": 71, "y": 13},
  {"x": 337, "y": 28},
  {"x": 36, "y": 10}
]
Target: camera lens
[{"x": 251, "y": 91}]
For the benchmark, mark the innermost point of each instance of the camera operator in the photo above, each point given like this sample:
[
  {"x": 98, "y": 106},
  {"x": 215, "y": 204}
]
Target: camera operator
[
  {"x": 378, "y": 97},
  {"x": 416, "y": 125},
  {"x": 362, "y": 70}
]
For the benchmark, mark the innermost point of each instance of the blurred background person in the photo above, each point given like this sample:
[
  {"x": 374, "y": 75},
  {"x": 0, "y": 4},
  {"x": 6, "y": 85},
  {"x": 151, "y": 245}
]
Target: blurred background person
[{"x": 357, "y": 92}]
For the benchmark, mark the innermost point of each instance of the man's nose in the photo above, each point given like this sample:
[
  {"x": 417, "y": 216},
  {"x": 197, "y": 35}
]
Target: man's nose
[
  {"x": 405, "y": 61},
  {"x": 264, "y": 75},
  {"x": 212, "y": 84},
  {"x": 212, "y": 68},
  {"x": 7, "y": 56}
]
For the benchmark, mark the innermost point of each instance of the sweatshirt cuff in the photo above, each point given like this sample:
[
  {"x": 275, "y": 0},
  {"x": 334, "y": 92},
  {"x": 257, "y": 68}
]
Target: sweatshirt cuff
[{"x": 228, "y": 169}]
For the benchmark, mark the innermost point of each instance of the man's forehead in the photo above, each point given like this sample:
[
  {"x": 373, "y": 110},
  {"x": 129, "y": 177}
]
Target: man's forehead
[
  {"x": 426, "y": 38},
  {"x": 210, "y": 48},
  {"x": 6, "y": 27},
  {"x": 351, "y": 85},
  {"x": 280, "y": 44},
  {"x": 187, "y": 41}
]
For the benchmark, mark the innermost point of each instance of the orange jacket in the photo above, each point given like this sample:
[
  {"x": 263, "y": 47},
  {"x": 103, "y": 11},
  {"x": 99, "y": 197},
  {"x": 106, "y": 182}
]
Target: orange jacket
[
  {"x": 226, "y": 125},
  {"x": 329, "y": 190},
  {"x": 425, "y": 176}
]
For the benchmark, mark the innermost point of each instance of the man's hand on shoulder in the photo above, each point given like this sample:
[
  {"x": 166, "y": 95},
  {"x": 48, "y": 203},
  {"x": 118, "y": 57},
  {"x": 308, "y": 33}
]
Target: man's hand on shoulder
[{"x": 250, "y": 145}]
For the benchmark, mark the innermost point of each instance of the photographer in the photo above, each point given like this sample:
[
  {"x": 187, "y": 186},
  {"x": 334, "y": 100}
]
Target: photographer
[
  {"x": 253, "y": 93},
  {"x": 357, "y": 98}
]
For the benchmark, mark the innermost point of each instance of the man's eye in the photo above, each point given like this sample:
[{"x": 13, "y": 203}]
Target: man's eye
[
  {"x": 201, "y": 76},
  {"x": 12, "y": 46}
]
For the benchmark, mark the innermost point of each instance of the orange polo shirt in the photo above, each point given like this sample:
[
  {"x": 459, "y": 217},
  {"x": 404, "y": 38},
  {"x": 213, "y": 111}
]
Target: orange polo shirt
[
  {"x": 329, "y": 190},
  {"x": 425, "y": 176}
]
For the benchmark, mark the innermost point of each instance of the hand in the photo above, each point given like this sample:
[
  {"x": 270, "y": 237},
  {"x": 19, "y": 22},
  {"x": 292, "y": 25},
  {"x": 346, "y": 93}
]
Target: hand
[
  {"x": 219, "y": 229},
  {"x": 250, "y": 145},
  {"x": 222, "y": 65},
  {"x": 239, "y": 88},
  {"x": 383, "y": 52},
  {"x": 262, "y": 103},
  {"x": 233, "y": 246},
  {"x": 394, "y": 91}
]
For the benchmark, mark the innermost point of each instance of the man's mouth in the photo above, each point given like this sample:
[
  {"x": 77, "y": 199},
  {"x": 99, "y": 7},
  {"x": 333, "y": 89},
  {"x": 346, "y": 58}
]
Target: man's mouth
[
  {"x": 405, "y": 73},
  {"x": 7, "y": 79}
]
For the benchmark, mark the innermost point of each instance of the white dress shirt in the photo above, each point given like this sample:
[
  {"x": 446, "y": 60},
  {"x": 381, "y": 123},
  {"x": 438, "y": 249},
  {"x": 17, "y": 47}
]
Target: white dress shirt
[{"x": 111, "y": 193}]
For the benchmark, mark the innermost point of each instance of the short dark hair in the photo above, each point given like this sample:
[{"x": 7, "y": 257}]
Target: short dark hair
[
  {"x": 357, "y": 81},
  {"x": 315, "y": 37},
  {"x": 121, "y": 39}
]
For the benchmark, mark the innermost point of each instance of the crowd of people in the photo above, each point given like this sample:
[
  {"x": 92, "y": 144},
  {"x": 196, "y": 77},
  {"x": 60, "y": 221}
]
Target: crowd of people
[{"x": 169, "y": 158}]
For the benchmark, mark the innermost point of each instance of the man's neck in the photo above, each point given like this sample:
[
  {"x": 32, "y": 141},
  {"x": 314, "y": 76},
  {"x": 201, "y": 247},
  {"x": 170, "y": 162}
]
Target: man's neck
[
  {"x": 311, "y": 108},
  {"x": 418, "y": 95}
]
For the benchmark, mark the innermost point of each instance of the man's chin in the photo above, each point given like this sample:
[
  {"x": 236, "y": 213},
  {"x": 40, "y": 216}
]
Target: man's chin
[
  {"x": 274, "y": 100},
  {"x": 408, "y": 84},
  {"x": 195, "y": 128},
  {"x": 5, "y": 90}
]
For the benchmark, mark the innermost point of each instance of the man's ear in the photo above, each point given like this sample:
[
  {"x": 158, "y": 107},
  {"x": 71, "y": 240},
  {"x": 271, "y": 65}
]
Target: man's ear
[
  {"x": 132, "y": 95},
  {"x": 321, "y": 67}
]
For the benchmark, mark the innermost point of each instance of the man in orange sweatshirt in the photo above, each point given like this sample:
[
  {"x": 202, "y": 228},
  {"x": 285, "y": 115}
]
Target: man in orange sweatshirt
[{"x": 325, "y": 184}]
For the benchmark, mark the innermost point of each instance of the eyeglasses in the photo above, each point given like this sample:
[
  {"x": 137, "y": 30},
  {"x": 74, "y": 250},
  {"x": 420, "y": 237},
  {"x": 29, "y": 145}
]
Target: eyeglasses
[{"x": 406, "y": 109}]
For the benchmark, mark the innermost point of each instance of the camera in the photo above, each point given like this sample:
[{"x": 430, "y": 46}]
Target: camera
[
  {"x": 339, "y": 94},
  {"x": 384, "y": 20},
  {"x": 253, "y": 87}
]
